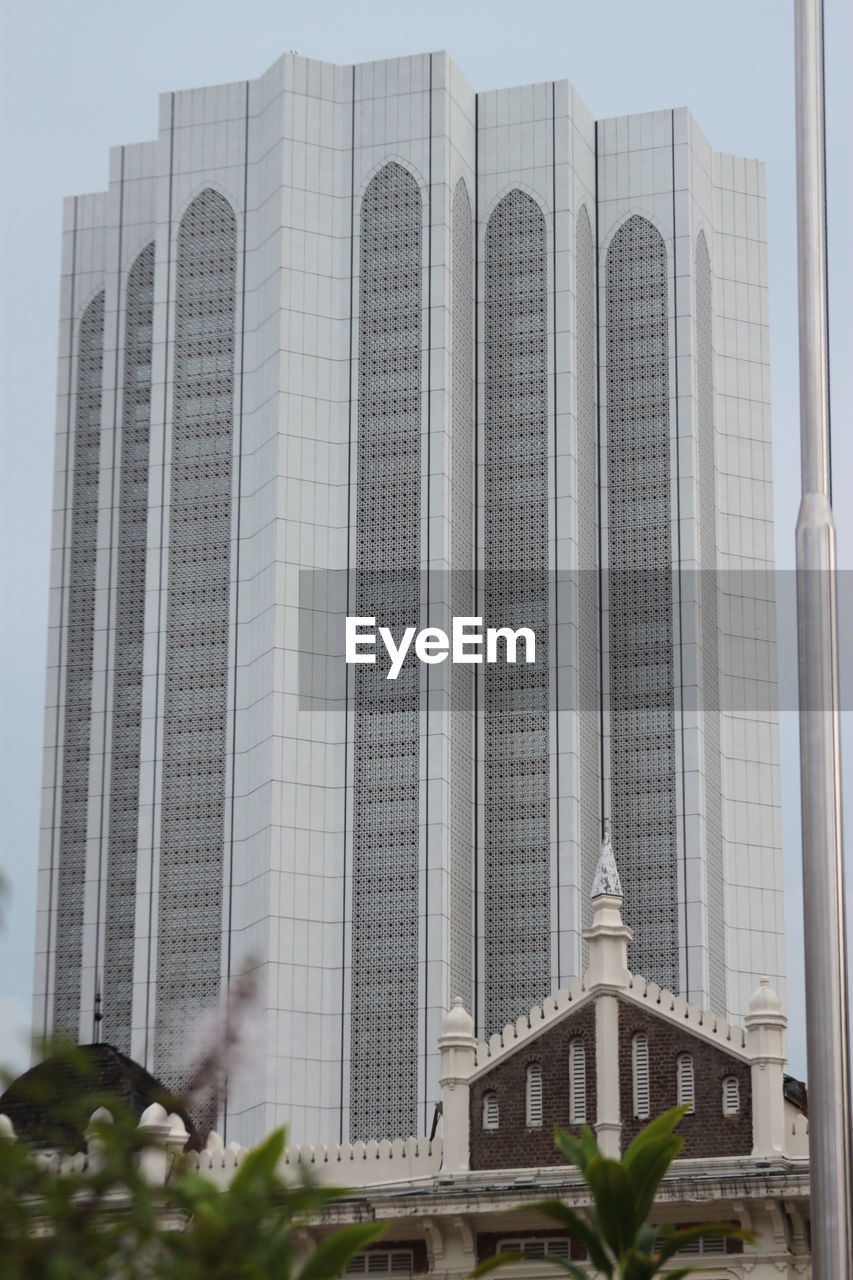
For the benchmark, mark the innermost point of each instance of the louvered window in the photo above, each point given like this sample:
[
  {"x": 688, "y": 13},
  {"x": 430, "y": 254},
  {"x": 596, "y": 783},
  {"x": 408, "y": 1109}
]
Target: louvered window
[
  {"x": 491, "y": 1111},
  {"x": 381, "y": 1262},
  {"x": 535, "y": 1247},
  {"x": 686, "y": 1087},
  {"x": 577, "y": 1081},
  {"x": 640, "y": 1059},
  {"x": 534, "y": 1095},
  {"x": 731, "y": 1096}
]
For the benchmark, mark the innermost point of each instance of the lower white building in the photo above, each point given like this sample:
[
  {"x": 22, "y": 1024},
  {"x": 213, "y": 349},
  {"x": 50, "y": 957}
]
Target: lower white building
[{"x": 612, "y": 1051}]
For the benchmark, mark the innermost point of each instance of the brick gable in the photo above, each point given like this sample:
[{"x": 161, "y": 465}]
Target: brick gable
[
  {"x": 513, "y": 1145},
  {"x": 707, "y": 1132}
]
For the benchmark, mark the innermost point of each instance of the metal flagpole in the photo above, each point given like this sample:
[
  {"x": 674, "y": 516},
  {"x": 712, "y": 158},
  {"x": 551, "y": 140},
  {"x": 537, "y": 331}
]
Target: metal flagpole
[{"x": 820, "y": 744}]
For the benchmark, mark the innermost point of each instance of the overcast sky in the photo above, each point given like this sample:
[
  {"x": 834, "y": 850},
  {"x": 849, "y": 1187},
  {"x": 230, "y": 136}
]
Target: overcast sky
[{"x": 78, "y": 78}]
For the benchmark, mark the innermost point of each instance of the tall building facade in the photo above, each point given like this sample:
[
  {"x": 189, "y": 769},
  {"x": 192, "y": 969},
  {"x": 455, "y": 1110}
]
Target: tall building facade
[{"x": 365, "y": 321}]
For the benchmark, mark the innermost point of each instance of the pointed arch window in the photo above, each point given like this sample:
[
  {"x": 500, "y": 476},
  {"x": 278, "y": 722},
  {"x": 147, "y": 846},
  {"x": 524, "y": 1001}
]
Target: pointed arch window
[
  {"x": 640, "y": 1065},
  {"x": 577, "y": 1081},
  {"x": 731, "y": 1096},
  {"x": 686, "y": 1083},
  {"x": 491, "y": 1110},
  {"x": 534, "y": 1095}
]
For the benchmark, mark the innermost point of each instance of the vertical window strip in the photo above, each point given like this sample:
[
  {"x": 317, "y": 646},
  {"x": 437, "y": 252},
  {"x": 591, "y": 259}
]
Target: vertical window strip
[
  {"x": 516, "y": 763},
  {"x": 731, "y": 1096},
  {"x": 195, "y": 711},
  {"x": 79, "y": 646},
  {"x": 534, "y": 1095},
  {"x": 386, "y": 737},
  {"x": 577, "y": 1081},
  {"x": 126, "y": 726},
  {"x": 491, "y": 1111},
  {"x": 640, "y": 1065},
  {"x": 639, "y": 546}
]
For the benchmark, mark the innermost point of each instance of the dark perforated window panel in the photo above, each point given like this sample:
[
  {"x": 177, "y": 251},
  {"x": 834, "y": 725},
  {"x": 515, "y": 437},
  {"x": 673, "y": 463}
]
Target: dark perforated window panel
[
  {"x": 384, "y": 1041},
  {"x": 461, "y": 551},
  {"x": 642, "y": 742},
  {"x": 79, "y": 642},
  {"x": 127, "y": 655},
  {"x": 589, "y": 755},
  {"x": 516, "y": 801},
  {"x": 197, "y": 616}
]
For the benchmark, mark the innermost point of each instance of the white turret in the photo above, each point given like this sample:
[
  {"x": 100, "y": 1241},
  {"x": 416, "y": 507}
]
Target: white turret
[
  {"x": 765, "y": 1041},
  {"x": 458, "y": 1047}
]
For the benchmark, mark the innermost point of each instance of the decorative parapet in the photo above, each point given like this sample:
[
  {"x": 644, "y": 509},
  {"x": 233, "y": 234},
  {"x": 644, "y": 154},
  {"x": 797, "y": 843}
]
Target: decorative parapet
[
  {"x": 701, "y": 1022},
  {"x": 355, "y": 1164},
  {"x": 710, "y": 1026},
  {"x": 367, "y": 1164},
  {"x": 529, "y": 1025}
]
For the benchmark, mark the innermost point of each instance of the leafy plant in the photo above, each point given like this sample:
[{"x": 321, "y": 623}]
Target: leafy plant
[
  {"x": 105, "y": 1219},
  {"x": 620, "y": 1242}
]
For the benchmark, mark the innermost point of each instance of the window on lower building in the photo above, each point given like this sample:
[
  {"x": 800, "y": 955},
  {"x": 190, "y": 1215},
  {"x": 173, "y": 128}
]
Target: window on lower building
[
  {"x": 491, "y": 1111},
  {"x": 686, "y": 1089},
  {"x": 577, "y": 1081},
  {"x": 640, "y": 1063},
  {"x": 534, "y": 1247},
  {"x": 731, "y": 1096},
  {"x": 534, "y": 1095},
  {"x": 381, "y": 1262}
]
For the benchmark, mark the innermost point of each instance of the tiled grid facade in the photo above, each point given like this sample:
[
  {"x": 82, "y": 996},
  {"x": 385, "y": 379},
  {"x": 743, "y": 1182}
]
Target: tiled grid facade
[{"x": 292, "y": 155}]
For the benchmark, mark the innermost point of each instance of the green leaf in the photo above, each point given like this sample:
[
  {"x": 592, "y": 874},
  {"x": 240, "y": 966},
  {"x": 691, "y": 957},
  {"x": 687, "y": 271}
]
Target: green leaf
[
  {"x": 494, "y": 1263},
  {"x": 579, "y": 1150},
  {"x": 661, "y": 1126},
  {"x": 559, "y": 1212},
  {"x": 614, "y": 1203},
  {"x": 259, "y": 1166},
  {"x": 511, "y": 1259},
  {"x": 647, "y": 1169},
  {"x": 332, "y": 1254},
  {"x": 638, "y": 1265},
  {"x": 678, "y": 1238}
]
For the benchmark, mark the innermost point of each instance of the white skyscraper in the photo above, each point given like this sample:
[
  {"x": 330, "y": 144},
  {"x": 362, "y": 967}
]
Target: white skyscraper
[{"x": 362, "y": 319}]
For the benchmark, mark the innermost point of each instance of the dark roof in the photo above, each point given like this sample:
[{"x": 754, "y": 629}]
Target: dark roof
[
  {"x": 797, "y": 1093},
  {"x": 50, "y": 1104}
]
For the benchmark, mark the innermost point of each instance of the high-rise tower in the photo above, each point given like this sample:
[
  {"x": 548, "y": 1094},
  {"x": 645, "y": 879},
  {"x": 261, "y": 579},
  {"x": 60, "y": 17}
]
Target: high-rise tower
[{"x": 366, "y": 320}]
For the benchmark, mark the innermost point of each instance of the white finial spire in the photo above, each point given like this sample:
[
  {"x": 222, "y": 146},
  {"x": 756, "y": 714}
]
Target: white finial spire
[{"x": 606, "y": 879}]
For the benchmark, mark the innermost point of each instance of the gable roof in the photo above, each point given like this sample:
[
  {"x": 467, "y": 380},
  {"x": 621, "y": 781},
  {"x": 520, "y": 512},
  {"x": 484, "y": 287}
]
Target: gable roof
[{"x": 566, "y": 1002}]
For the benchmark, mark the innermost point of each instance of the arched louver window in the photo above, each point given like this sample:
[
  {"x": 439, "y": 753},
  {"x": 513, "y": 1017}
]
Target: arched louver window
[
  {"x": 577, "y": 1081},
  {"x": 198, "y": 610},
  {"x": 640, "y": 1064},
  {"x": 515, "y": 534},
  {"x": 534, "y": 1095},
  {"x": 491, "y": 1111},
  {"x": 385, "y": 872},
  {"x": 131, "y": 553},
  {"x": 686, "y": 1085},
  {"x": 731, "y": 1096},
  {"x": 639, "y": 546},
  {"x": 79, "y": 585}
]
